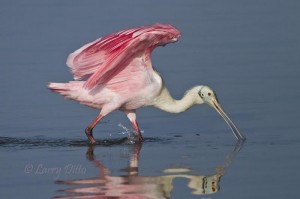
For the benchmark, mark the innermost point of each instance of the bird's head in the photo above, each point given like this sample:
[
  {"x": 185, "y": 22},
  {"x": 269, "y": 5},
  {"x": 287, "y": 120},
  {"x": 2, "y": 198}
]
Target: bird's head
[{"x": 208, "y": 96}]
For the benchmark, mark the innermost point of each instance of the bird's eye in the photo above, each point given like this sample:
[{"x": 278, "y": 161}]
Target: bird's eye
[{"x": 209, "y": 94}]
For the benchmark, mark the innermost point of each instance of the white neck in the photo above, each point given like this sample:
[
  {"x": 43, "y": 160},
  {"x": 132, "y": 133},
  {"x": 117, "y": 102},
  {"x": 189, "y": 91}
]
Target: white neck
[{"x": 166, "y": 103}]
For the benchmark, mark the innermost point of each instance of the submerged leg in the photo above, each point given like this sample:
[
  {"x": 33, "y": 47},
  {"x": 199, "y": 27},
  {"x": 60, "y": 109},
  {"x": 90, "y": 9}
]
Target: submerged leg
[
  {"x": 132, "y": 117},
  {"x": 89, "y": 129}
]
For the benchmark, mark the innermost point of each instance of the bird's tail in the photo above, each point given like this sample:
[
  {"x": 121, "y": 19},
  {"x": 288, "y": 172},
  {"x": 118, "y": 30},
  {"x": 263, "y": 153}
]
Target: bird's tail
[{"x": 69, "y": 90}]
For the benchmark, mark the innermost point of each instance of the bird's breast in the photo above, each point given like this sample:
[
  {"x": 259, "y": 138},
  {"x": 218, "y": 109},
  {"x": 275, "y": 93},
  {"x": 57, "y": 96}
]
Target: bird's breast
[{"x": 146, "y": 95}]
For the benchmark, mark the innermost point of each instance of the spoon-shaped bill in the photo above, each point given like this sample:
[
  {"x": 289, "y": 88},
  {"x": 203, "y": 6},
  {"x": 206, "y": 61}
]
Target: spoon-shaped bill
[{"x": 234, "y": 129}]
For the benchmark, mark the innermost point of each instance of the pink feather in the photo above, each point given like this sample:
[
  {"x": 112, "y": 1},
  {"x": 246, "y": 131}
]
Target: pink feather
[{"x": 107, "y": 58}]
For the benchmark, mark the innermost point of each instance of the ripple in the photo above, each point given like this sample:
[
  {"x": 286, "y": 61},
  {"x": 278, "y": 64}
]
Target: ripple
[
  {"x": 45, "y": 142},
  {"x": 38, "y": 142}
]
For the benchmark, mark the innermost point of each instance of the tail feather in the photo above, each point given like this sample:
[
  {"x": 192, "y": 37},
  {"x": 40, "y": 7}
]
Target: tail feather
[
  {"x": 58, "y": 87},
  {"x": 75, "y": 90},
  {"x": 69, "y": 90}
]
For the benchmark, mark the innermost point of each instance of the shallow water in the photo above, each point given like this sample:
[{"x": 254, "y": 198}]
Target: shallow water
[{"x": 247, "y": 51}]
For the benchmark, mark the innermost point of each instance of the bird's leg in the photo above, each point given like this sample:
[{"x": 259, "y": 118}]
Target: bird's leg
[
  {"x": 132, "y": 117},
  {"x": 138, "y": 130},
  {"x": 89, "y": 129}
]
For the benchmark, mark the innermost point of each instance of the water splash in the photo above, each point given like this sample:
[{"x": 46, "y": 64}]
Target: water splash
[{"x": 131, "y": 135}]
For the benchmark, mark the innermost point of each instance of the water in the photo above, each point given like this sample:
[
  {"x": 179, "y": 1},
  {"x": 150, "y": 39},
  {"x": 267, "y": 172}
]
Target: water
[{"x": 247, "y": 51}]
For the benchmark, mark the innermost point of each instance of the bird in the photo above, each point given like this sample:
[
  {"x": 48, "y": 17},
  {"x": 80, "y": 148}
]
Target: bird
[{"x": 115, "y": 73}]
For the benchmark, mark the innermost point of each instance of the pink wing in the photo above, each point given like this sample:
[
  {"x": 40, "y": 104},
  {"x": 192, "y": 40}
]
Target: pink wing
[{"x": 104, "y": 58}]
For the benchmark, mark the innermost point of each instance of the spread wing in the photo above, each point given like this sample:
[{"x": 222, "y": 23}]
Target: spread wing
[{"x": 103, "y": 59}]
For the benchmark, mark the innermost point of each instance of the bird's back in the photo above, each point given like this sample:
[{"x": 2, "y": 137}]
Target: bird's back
[{"x": 128, "y": 98}]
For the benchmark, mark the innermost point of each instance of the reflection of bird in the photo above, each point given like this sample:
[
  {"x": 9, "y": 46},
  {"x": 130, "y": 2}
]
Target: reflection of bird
[
  {"x": 133, "y": 185},
  {"x": 120, "y": 76}
]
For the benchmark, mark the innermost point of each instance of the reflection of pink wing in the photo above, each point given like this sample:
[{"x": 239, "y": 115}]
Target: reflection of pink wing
[{"x": 104, "y": 58}]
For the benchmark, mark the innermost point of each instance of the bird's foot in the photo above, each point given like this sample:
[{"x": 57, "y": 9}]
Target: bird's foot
[
  {"x": 141, "y": 139},
  {"x": 89, "y": 134}
]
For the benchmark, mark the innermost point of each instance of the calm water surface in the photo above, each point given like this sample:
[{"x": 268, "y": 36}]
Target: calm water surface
[{"x": 247, "y": 51}]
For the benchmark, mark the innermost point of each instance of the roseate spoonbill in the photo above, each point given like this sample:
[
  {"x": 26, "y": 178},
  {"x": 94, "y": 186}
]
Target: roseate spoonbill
[{"x": 119, "y": 76}]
